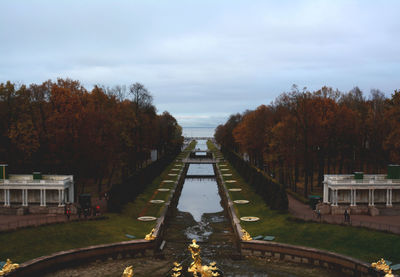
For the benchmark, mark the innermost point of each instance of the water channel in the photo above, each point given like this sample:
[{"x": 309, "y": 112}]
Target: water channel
[{"x": 199, "y": 215}]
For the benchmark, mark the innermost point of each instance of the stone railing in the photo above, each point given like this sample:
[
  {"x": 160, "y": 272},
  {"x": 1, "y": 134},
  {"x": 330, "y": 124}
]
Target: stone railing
[
  {"x": 63, "y": 259},
  {"x": 33, "y": 182},
  {"x": 306, "y": 255}
]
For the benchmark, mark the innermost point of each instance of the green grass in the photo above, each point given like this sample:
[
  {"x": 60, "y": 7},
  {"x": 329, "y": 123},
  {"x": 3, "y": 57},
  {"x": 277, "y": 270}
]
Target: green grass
[
  {"x": 25, "y": 244},
  {"x": 360, "y": 243},
  {"x": 29, "y": 243}
]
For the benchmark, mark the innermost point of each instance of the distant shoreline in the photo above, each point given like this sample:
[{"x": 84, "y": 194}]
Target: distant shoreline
[{"x": 199, "y": 127}]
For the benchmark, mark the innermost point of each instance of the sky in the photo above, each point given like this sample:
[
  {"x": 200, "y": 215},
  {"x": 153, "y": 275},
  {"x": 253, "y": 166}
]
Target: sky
[{"x": 204, "y": 60}]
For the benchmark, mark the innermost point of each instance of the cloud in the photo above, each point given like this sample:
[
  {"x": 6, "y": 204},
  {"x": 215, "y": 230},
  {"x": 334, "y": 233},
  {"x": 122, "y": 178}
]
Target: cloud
[{"x": 206, "y": 57}]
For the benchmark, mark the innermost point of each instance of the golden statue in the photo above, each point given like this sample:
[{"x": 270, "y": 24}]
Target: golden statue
[
  {"x": 8, "y": 267},
  {"x": 194, "y": 249},
  {"x": 212, "y": 266},
  {"x": 389, "y": 273},
  {"x": 246, "y": 235},
  {"x": 150, "y": 236},
  {"x": 128, "y": 272},
  {"x": 196, "y": 268},
  {"x": 381, "y": 265},
  {"x": 177, "y": 267}
]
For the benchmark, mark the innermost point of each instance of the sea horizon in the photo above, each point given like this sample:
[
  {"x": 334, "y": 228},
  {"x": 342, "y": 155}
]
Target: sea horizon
[{"x": 198, "y": 131}]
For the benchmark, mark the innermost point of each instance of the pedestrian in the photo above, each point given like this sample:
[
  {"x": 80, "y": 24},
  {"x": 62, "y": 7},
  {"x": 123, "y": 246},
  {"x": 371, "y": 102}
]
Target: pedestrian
[
  {"x": 68, "y": 212},
  {"x": 346, "y": 215},
  {"x": 319, "y": 214},
  {"x": 97, "y": 210}
]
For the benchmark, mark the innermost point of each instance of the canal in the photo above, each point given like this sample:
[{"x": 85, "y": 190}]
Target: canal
[{"x": 199, "y": 215}]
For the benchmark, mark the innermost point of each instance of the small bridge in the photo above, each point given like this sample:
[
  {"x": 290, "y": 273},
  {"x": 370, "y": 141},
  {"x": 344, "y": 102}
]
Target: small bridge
[{"x": 199, "y": 161}]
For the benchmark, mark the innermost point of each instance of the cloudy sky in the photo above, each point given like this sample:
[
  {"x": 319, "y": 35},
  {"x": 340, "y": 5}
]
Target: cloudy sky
[{"x": 204, "y": 60}]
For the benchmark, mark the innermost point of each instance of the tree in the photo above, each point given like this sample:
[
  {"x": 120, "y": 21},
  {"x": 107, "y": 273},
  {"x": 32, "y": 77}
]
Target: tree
[{"x": 392, "y": 115}]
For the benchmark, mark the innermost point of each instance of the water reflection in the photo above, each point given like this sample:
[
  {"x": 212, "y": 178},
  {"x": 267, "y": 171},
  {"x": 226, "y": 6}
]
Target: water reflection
[
  {"x": 201, "y": 169},
  {"x": 200, "y": 196}
]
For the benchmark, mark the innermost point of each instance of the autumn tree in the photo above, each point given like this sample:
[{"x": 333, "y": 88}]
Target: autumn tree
[
  {"x": 98, "y": 135},
  {"x": 392, "y": 115},
  {"x": 308, "y": 134}
]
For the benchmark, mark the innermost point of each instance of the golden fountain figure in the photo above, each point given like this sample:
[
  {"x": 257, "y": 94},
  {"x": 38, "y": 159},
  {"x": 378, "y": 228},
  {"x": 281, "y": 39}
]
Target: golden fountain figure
[
  {"x": 246, "y": 235},
  {"x": 196, "y": 268},
  {"x": 382, "y": 266},
  {"x": 389, "y": 274},
  {"x": 194, "y": 249},
  {"x": 128, "y": 272},
  {"x": 177, "y": 270},
  {"x": 8, "y": 267},
  {"x": 150, "y": 236}
]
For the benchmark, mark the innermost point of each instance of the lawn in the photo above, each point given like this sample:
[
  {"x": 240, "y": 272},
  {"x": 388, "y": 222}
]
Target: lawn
[
  {"x": 25, "y": 244},
  {"x": 364, "y": 244}
]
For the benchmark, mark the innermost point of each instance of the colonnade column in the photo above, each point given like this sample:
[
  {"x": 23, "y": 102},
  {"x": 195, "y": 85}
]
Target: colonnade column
[
  {"x": 371, "y": 196},
  {"x": 6, "y": 197},
  {"x": 334, "y": 197},
  {"x": 389, "y": 197},
  {"x": 42, "y": 197},
  {"x": 326, "y": 192},
  {"x": 61, "y": 197},
  {"x": 71, "y": 193},
  {"x": 353, "y": 197},
  {"x": 24, "y": 197}
]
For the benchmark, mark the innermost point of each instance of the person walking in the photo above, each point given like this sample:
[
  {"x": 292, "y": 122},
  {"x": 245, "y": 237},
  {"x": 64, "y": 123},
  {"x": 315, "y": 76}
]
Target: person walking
[
  {"x": 68, "y": 212},
  {"x": 346, "y": 216}
]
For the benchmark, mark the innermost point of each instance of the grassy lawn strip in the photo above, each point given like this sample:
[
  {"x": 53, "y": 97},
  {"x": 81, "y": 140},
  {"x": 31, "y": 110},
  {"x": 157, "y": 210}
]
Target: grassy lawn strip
[
  {"x": 25, "y": 244},
  {"x": 360, "y": 243}
]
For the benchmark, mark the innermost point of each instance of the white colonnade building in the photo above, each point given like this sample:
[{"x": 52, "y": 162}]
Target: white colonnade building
[
  {"x": 36, "y": 189},
  {"x": 359, "y": 191}
]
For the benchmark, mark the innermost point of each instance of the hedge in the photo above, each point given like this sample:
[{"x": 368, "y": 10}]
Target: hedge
[
  {"x": 273, "y": 193},
  {"x": 121, "y": 194}
]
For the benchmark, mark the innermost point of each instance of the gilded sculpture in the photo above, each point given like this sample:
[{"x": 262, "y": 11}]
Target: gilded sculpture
[
  {"x": 194, "y": 249},
  {"x": 128, "y": 272},
  {"x": 246, "y": 235},
  {"x": 150, "y": 236},
  {"x": 8, "y": 267},
  {"x": 196, "y": 268},
  {"x": 389, "y": 274},
  {"x": 382, "y": 266},
  {"x": 177, "y": 270}
]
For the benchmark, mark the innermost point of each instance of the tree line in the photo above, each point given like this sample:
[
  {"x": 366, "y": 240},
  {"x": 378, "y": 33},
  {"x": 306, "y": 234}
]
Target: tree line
[
  {"x": 101, "y": 134},
  {"x": 303, "y": 135}
]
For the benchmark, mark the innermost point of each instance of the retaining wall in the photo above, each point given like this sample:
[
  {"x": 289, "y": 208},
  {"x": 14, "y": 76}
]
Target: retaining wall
[{"x": 63, "y": 259}]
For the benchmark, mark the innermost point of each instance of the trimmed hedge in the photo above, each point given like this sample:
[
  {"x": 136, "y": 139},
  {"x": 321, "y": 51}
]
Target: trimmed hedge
[
  {"x": 273, "y": 193},
  {"x": 121, "y": 194}
]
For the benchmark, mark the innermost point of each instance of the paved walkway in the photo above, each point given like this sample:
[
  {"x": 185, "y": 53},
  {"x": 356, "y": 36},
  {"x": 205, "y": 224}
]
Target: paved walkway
[
  {"x": 382, "y": 223},
  {"x": 12, "y": 222}
]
